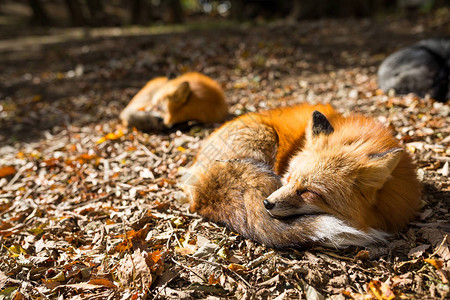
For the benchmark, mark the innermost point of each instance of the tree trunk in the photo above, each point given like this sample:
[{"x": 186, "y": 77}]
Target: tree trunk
[
  {"x": 96, "y": 12},
  {"x": 39, "y": 16},
  {"x": 296, "y": 11},
  {"x": 136, "y": 11},
  {"x": 175, "y": 11},
  {"x": 76, "y": 12},
  {"x": 237, "y": 10}
]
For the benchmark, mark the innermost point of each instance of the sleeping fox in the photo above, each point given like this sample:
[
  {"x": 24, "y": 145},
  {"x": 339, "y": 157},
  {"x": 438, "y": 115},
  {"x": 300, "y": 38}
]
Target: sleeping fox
[
  {"x": 304, "y": 174},
  {"x": 162, "y": 103},
  {"x": 423, "y": 68}
]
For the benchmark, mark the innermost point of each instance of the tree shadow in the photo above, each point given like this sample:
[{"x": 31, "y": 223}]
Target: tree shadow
[{"x": 83, "y": 81}]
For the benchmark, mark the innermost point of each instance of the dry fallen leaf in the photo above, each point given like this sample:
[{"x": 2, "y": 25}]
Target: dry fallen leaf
[
  {"x": 439, "y": 240},
  {"x": 188, "y": 246},
  {"x": 111, "y": 136},
  {"x": 213, "y": 280},
  {"x": 236, "y": 267},
  {"x": 362, "y": 255},
  {"x": 418, "y": 251},
  {"x": 75, "y": 198},
  {"x": 102, "y": 281},
  {"x": 438, "y": 264},
  {"x": 380, "y": 290},
  {"x": 133, "y": 271},
  {"x": 7, "y": 171}
]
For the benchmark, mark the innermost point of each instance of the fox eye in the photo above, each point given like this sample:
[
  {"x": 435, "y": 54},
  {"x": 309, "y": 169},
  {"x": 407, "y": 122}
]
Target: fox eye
[
  {"x": 309, "y": 196},
  {"x": 300, "y": 192}
]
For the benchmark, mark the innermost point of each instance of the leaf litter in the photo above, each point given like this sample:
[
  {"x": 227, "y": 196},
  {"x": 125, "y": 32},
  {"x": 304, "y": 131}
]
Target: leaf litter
[{"x": 90, "y": 209}]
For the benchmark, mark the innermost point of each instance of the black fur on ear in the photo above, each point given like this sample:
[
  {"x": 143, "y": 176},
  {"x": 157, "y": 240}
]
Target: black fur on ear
[
  {"x": 383, "y": 154},
  {"x": 320, "y": 124}
]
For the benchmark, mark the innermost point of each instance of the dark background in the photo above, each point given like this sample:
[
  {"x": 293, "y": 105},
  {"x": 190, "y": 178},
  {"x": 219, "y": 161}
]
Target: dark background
[{"x": 63, "y": 13}]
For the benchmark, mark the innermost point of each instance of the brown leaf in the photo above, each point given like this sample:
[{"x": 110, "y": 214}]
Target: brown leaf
[
  {"x": 102, "y": 281},
  {"x": 7, "y": 171},
  {"x": 5, "y": 225},
  {"x": 418, "y": 251},
  {"x": 132, "y": 237},
  {"x": 381, "y": 290},
  {"x": 215, "y": 289},
  {"x": 439, "y": 240},
  {"x": 18, "y": 296},
  {"x": 213, "y": 280},
  {"x": 133, "y": 271},
  {"x": 438, "y": 264},
  {"x": 189, "y": 246},
  {"x": 236, "y": 267},
  {"x": 82, "y": 286},
  {"x": 362, "y": 255},
  {"x": 155, "y": 261}
]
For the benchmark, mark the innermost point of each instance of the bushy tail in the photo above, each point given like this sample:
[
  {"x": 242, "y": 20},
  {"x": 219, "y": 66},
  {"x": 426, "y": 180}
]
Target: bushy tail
[{"x": 232, "y": 193}]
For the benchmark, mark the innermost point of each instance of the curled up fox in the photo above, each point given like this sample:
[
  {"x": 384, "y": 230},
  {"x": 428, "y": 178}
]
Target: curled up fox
[
  {"x": 304, "y": 175},
  {"x": 164, "y": 102}
]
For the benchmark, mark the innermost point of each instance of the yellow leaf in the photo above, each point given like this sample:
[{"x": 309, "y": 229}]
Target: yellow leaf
[
  {"x": 101, "y": 140},
  {"x": 16, "y": 250},
  {"x": 411, "y": 148},
  {"x": 111, "y": 136},
  {"x": 177, "y": 222},
  {"x": 379, "y": 92},
  {"x": 223, "y": 253},
  {"x": 181, "y": 149},
  {"x": 58, "y": 277},
  {"x": 236, "y": 267},
  {"x": 37, "y": 98},
  {"x": 8, "y": 292}
]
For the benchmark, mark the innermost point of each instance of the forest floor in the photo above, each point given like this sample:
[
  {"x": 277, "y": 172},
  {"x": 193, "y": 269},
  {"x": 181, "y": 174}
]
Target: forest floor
[{"x": 90, "y": 209}]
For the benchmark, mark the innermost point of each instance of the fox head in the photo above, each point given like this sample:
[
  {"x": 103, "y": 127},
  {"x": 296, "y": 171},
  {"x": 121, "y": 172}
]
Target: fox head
[
  {"x": 168, "y": 100},
  {"x": 343, "y": 165}
]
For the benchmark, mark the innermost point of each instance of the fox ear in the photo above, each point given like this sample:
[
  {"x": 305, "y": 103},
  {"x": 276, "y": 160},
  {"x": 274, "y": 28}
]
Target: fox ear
[
  {"x": 380, "y": 167},
  {"x": 387, "y": 160},
  {"x": 182, "y": 92},
  {"x": 320, "y": 124}
]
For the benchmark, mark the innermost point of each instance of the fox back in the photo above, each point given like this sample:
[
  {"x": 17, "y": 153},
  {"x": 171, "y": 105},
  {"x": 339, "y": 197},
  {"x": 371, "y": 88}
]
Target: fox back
[{"x": 163, "y": 103}]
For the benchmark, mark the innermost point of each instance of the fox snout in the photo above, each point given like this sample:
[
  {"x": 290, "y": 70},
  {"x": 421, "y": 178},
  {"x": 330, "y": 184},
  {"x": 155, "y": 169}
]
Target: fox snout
[
  {"x": 268, "y": 205},
  {"x": 287, "y": 201}
]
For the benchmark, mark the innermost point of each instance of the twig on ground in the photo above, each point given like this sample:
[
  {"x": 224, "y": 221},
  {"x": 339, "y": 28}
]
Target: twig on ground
[{"x": 190, "y": 270}]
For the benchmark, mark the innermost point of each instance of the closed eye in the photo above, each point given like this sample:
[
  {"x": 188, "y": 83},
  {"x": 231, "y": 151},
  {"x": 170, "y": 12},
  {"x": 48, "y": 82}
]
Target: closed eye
[
  {"x": 300, "y": 192},
  {"x": 310, "y": 196}
]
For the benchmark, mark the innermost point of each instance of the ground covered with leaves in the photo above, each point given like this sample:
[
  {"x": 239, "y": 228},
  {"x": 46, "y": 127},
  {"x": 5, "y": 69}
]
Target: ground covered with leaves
[{"x": 90, "y": 209}]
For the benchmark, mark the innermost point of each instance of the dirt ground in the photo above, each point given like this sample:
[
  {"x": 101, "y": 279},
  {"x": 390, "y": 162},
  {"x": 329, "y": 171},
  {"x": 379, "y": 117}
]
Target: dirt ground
[{"x": 92, "y": 210}]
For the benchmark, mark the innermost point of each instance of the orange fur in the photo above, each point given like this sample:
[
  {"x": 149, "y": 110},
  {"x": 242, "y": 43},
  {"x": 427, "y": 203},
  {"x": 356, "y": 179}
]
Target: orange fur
[
  {"x": 163, "y": 103},
  {"x": 343, "y": 177}
]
